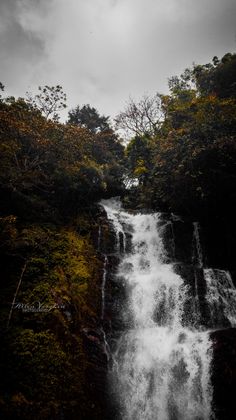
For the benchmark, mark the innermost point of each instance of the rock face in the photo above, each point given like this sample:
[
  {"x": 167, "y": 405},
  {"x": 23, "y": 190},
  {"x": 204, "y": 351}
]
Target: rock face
[
  {"x": 224, "y": 373},
  {"x": 211, "y": 292},
  {"x": 217, "y": 300},
  {"x": 97, "y": 336}
]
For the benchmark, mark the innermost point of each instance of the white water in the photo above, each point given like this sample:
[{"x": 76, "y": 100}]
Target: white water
[
  {"x": 221, "y": 296},
  {"x": 103, "y": 289},
  {"x": 197, "y": 244},
  {"x": 196, "y": 314},
  {"x": 104, "y": 277},
  {"x": 161, "y": 368},
  {"x": 115, "y": 205}
]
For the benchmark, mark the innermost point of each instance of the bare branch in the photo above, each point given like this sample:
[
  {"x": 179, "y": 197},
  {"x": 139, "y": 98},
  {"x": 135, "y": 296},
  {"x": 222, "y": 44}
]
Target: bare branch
[
  {"x": 48, "y": 101},
  {"x": 142, "y": 117}
]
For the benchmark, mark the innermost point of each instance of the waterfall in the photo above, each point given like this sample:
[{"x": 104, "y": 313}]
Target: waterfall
[
  {"x": 116, "y": 221},
  {"x": 196, "y": 317},
  {"x": 197, "y": 249},
  {"x": 221, "y": 297},
  {"x": 103, "y": 290},
  {"x": 172, "y": 240},
  {"x": 104, "y": 277},
  {"x": 161, "y": 368}
]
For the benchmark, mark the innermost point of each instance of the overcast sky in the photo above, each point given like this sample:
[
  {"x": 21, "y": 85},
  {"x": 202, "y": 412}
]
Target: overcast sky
[{"x": 103, "y": 51}]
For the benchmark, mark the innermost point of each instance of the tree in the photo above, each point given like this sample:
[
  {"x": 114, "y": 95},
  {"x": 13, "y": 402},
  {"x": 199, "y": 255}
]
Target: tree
[
  {"x": 48, "y": 101},
  {"x": 218, "y": 78},
  {"x": 142, "y": 118},
  {"x": 50, "y": 166},
  {"x": 1, "y": 86},
  {"x": 189, "y": 166},
  {"x": 138, "y": 154},
  {"x": 88, "y": 117}
]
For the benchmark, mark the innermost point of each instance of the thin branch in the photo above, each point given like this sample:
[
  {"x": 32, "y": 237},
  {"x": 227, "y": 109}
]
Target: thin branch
[{"x": 16, "y": 293}]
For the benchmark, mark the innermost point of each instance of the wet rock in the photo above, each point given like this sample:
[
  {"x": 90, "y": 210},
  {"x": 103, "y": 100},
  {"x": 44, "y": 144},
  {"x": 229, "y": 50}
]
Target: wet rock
[{"x": 168, "y": 240}]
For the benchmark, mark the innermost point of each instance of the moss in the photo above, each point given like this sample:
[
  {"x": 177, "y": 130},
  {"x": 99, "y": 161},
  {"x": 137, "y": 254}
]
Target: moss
[{"x": 44, "y": 351}]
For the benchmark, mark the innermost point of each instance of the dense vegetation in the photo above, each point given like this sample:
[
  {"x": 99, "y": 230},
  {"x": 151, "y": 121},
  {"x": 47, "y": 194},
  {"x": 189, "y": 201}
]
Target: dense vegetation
[
  {"x": 188, "y": 164},
  {"x": 181, "y": 158},
  {"x": 51, "y": 176}
]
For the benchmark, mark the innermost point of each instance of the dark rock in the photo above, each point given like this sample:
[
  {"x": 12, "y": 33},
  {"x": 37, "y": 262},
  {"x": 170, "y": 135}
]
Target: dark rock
[
  {"x": 220, "y": 241},
  {"x": 183, "y": 237},
  {"x": 168, "y": 240},
  {"x": 224, "y": 373}
]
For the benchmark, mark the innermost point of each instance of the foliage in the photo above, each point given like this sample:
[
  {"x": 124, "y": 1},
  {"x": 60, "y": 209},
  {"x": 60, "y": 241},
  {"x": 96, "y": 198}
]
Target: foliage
[
  {"x": 138, "y": 158},
  {"x": 88, "y": 117},
  {"x": 190, "y": 164},
  {"x": 217, "y": 78},
  {"x": 51, "y": 176},
  {"x": 43, "y": 361},
  {"x": 1, "y": 89},
  {"x": 46, "y": 165}
]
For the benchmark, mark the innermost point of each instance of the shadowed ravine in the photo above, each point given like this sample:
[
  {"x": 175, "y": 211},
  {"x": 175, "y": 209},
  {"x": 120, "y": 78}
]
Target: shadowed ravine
[{"x": 161, "y": 362}]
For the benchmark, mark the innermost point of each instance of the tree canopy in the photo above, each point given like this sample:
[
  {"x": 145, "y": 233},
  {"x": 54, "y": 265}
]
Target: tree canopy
[
  {"x": 88, "y": 117},
  {"x": 190, "y": 162},
  {"x": 50, "y": 164}
]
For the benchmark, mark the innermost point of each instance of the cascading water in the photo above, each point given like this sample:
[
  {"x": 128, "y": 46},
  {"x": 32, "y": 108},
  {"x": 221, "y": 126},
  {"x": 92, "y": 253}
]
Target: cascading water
[
  {"x": 103, "y": 293},
  {"x": 161, "y": 367},
  {"x": 221, "y": 297},
  {"x": 104, "y": 277},
  {"x": 197, "y": 249}
]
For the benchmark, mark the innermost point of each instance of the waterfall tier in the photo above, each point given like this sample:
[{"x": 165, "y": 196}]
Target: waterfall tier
[{"x": 162, "y": 358}]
